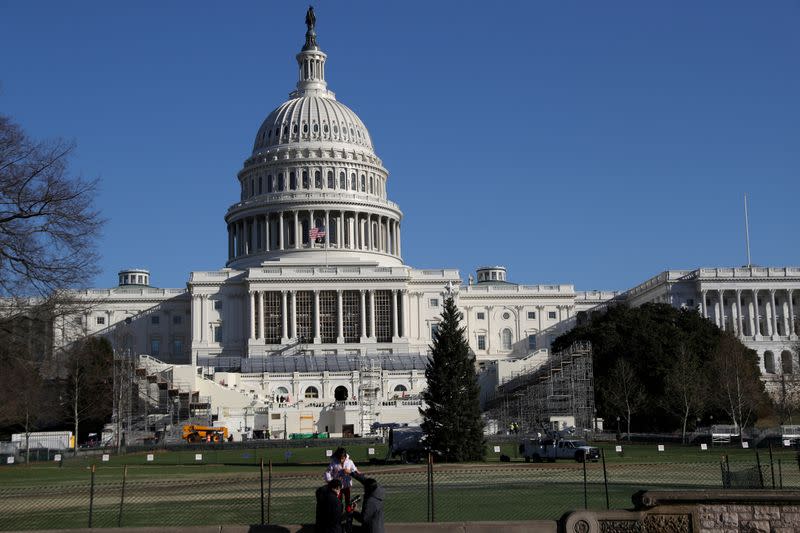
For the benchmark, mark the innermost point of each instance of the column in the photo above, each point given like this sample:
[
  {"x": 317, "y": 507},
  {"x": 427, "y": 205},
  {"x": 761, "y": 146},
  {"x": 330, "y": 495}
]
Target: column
[
  {"x": 703, "y": 306},
  {"x": 252, "y": 315},
  {"x": 316, "y": 317},
  {"x": 327, "y": 229},
  {"x": 261, "y": 315},
  {"x": 363, "y": 316},
  {"x": 267, "y": 240},
  {"x": 230, "y": 242},
  {"x": 284, "y": 321},
  {"x": 339, "y": 317},
  {"x": 721, "y": 295},
  {"x": 293, "y": 314},
  {"x": 488, "y": 329},
  {"x": 395, "y": 332},
  {"x": 539, "y": 311},
  {"x": 296, "y": 234},
  {"x": 739, "y": 317},
  {"x": 773, "y": 311},
  {"x": 757, "y": 312},
  {"x": 310, "y": 225},
  {"x": 280, "y": 230},
  {"x": 399, "y": 249},
  {"x": 791, "y": 312},
  {"x": 372, "y": 314},
  {"x": 751, "y": 317}
]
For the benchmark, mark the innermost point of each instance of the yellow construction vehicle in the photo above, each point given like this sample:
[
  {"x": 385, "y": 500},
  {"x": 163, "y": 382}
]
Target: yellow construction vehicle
[{"x": 192, "y": 433}]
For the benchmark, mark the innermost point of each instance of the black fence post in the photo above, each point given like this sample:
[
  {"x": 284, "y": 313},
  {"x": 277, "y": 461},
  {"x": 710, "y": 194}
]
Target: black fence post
[
  {"x": 269, "y": 494},
  {"x": 122, "y": 495},
  {"x": 91, "y": 498},
  {"x": 758, "y": 465},
  {"x": 585, "y": 486},
  {"x": 431, "y": 513},
  {"x": 780, "y": 474},
  {"x": 261, "y": 477},
  {"x": 605, "y": 476},
  {"x": 771, "y": 465}
]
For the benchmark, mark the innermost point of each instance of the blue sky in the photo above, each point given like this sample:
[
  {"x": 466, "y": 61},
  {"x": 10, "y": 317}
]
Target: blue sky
[{"x": 594, "y": 143}]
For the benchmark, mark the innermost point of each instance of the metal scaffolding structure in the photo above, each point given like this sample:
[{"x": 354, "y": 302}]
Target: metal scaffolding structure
[
  {"x": 369, "y": 393},
  {"x": 561, "y": 388}
]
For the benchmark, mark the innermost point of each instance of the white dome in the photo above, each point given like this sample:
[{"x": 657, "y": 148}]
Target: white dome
[{"x": 312, "y": 118}]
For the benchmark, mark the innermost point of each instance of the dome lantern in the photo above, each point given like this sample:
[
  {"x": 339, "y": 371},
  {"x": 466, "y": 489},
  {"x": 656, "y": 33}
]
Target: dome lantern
[{"x": 311, "y": 61}]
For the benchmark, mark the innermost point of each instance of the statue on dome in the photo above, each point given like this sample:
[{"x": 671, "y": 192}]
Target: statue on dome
[{"x": 311, "y": 19}]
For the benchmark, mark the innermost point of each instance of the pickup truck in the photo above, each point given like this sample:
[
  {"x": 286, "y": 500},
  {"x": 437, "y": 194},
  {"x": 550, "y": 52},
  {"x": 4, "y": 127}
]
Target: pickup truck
[{"x": 537, "y": 450}]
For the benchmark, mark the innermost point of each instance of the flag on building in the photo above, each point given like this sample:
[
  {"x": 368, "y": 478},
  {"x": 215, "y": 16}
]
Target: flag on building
[{"x": 316, "y": 233}]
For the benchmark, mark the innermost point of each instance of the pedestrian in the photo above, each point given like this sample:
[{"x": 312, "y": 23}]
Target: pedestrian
[
  {"x": 371, "y": 514},
  {"x": 342, "y": 468},
  {"x": 329, "y": 508}
]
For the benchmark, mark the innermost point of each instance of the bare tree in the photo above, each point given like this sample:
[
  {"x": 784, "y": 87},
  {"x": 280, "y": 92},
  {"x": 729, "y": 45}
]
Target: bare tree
[
  {"x": 625, "y": 391},
  {"x": 737, "y": 387},
  {"x": 88, "y": 388},
  {"x": 24, "y": 404},
  {"x": 684, "y": 387},
  {"x": 48, "y": 225}
]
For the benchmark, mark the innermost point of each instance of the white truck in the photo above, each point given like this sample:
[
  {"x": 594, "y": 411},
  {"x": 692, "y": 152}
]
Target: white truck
[{"x": 538, "y": 450}]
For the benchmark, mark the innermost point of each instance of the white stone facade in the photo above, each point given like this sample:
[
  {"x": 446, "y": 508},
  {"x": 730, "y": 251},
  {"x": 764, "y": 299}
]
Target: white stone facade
[{"x": 315, "y": 269}]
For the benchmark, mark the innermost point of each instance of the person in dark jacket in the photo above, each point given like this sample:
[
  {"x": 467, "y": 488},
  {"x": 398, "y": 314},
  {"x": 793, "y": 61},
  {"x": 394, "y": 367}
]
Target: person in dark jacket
[
  {"x": 329, "y": 508},
  {"x": 371, "y": 515}
]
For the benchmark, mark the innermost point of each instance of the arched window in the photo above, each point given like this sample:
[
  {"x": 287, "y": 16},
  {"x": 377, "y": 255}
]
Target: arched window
[
  {"x": 787, "y": 366},
  {"x": 292, "y": 181},
  {"x": 769, "y": 362},
  {"x": 305, "y": 179},
  {"x": 340, "y": 393},
  {"x": 269, "y": 183},
  {"x": 371, "y": 185},
  {"x": 260, "y": 185},
  {"x": 331, "y": 180},
  {"x": 506, "y": 339},
  {"x": 318, "y": 179},
  {"x": 281, "y": 183},
  {"x": 353, "y": 184},
  {"x": 281, "y": 394},
  {"x": 311, "y": 393},
  {"x": 401, "y": 388},
  {"x": 342, "y": 181},
  {"x": 363, "y": 183}
]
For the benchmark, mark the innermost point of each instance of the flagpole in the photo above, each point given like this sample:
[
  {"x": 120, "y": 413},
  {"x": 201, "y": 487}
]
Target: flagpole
[{"x": 747, "y": 232}]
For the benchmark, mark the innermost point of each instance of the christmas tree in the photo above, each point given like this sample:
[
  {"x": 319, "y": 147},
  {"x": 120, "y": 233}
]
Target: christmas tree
[{"x": 452, "y": 416}]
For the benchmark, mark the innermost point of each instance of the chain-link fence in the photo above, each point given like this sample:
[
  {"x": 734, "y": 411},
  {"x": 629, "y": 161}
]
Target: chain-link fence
[{"x": 107, "y": 496}]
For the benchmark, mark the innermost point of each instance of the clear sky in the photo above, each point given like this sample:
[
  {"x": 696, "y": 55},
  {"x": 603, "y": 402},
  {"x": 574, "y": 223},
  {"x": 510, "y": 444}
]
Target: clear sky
[{"x": 594, "y": 143}]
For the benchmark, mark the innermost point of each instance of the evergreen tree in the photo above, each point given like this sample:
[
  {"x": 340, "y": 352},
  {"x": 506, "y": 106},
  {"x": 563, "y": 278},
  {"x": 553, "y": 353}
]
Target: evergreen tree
[{"x": 452, "y": 416}]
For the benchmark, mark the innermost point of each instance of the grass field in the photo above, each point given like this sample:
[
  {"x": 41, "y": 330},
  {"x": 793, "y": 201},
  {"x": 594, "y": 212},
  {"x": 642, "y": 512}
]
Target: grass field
[{"x": 225, "y": 487}]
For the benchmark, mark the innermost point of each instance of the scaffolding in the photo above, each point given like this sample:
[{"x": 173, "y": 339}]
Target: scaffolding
[
  {"x": 543, "y": 400},
  {"x": 368, "y": 393}
]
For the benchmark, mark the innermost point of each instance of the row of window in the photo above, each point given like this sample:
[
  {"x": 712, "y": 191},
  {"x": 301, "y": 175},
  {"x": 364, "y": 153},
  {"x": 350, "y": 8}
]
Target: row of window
[
  {"x": 551, "y": 315},
  {"x": 506, "y": 341},
  {"x": 258, "y": 185},
  {"x": 286, "y": 131},
  {"x": 155, "y": 346},
  {"x": 155, "y": 320}
]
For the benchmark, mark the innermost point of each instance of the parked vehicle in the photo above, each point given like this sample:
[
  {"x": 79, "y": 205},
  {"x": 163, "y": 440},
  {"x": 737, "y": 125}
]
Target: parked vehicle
[
  {"x": 407, "y": 443},
  {"x": 538, "y": 450},
  {"x": 193, "y": 433}
]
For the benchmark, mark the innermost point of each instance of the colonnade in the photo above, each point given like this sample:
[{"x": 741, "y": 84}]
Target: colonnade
[
  {"x": 357, "y": 316},
  {"x": 288, "y": 230},
  {"x": 740, "y": 311}
]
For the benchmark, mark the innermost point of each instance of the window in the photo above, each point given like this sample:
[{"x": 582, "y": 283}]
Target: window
[
  {"x": 363, "y": 183},
  {"x": 340, "y": 393},
  {"x": 218, "y": 333},
  {"x": 177, "y": 346},
  {"x": 506, "y": 316},
  {"x": 305, "y": 180},
  {"x": 531, "y": 315},
  {"x": 260, "y": 185},
  {"x": 434, "y": 302},
  {"x": 494, "y": 275},
  {"x": 551, "y": 315},
  {"x": 481, "y": 315},
  {"x": 331, "y": 181},
  {"x": 531, "y": 342},
  {"x": 311, "y": 392},
  {"x": 342, "y": 181},
  {"x": 353, "y": 184},
  {"x": 177, "y": 320},
  {"x": 786, "y": 362},
  {"x": 506, "y": 339},
  {"x": 292, "y": 181},
  {"x": 155, "y": 320},
  {"x": 217, "y": 304},
  {"x": 280, "y": 182},
  {"x": 317, "y": 179},
  {"x": 269, "y": 183},
  {"x": 400, "y": 388},
  {"x": 481, "y": 342},
  {"x": 101, "y": 320},
  {"x": 769, "y": 362},
  {"x": 155, "y": 347},
  {"x": 434, "y": 330}
]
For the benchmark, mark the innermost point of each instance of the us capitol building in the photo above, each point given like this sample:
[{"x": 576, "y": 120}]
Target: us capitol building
[{"x": 316, "y": 324}]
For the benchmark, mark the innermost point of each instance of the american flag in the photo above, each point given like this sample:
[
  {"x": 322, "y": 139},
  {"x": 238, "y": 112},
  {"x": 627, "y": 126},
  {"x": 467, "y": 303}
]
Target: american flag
[{"x": 316, "y": 233}]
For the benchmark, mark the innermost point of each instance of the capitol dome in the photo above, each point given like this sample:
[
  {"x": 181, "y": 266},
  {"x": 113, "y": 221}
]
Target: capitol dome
[
  {"x": 313, "y": 189},
  {"x": 309, "y": 119}
]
